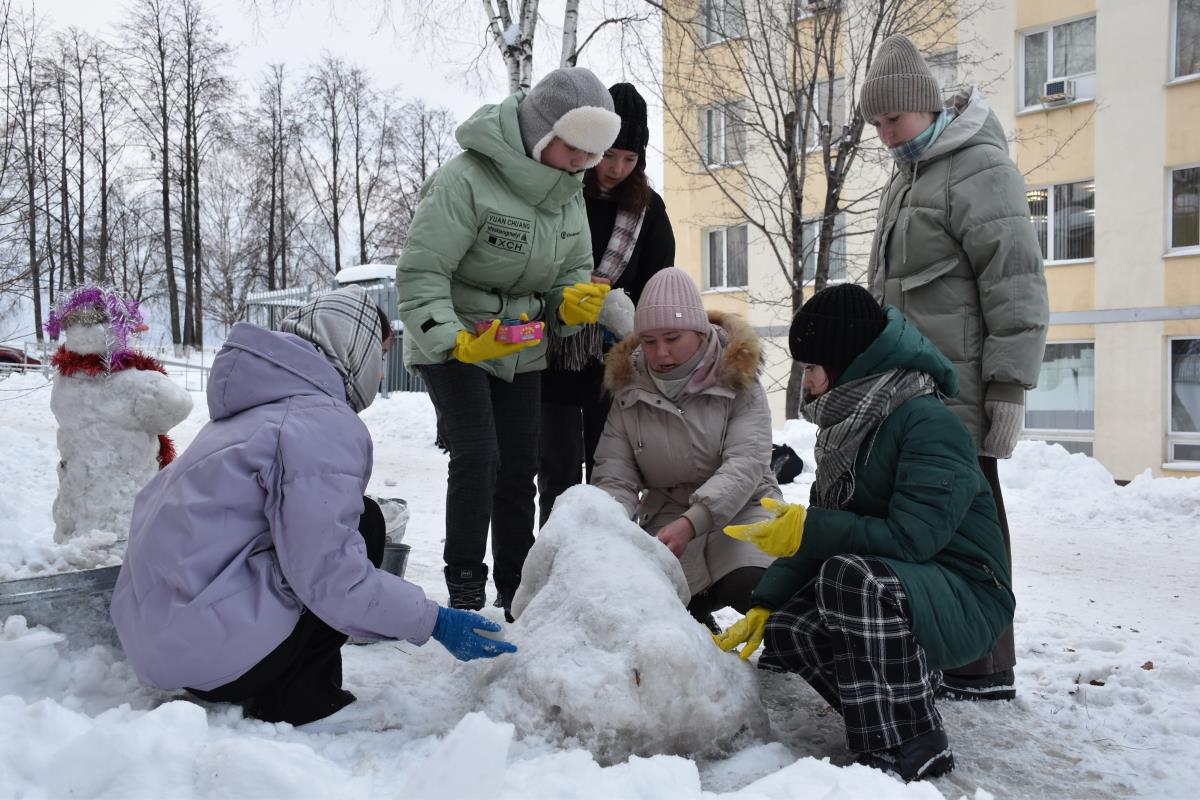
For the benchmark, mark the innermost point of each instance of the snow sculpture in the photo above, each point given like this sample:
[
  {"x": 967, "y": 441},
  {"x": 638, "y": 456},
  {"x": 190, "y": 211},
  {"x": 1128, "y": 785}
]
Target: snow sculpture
[
  {"x": 114, "y": 406},
  {"x": 609, "y": 657}
]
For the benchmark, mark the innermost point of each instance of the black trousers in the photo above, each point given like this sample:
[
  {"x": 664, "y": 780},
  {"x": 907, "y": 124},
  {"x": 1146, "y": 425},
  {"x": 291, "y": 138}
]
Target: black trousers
[
  {"x": 849, "y": 634},
  {"x": 301, "y": 679},
  {"x": 733, "y": 590},
  {"x": 1004, "y": 653},
  {"x": 570, "y": 433},
  {"x": 491, "y": 429}
]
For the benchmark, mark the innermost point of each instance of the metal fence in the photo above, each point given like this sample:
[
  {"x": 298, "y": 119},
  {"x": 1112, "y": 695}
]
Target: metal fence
[{"x": 267, "y": 309}]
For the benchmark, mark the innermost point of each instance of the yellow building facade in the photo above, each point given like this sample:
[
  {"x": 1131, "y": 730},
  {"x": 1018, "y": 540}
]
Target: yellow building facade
[{"x": 1101, "y": 101}]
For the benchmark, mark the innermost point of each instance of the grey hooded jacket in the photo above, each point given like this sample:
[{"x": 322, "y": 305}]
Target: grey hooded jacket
[
  {"x": 955, "y": 251},
  {"x": 256, "y": 523}
]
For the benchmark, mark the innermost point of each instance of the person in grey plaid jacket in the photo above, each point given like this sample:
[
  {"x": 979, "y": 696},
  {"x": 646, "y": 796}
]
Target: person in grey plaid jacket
[{"x": 897, "y": 568}]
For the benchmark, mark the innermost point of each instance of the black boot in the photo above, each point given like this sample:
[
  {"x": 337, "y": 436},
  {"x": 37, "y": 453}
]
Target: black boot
[
  {"x": 467, "y": 586},
  {"x": 997, "y": 686},
  {"x": 502, "y": 602},
  {"x": 918, "y": 759}
]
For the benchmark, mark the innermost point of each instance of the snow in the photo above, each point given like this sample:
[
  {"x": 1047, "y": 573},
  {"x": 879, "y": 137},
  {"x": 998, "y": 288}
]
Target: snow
[
  {"x": 1107, "y": 633},
  {"x": 365, "y": 272}
]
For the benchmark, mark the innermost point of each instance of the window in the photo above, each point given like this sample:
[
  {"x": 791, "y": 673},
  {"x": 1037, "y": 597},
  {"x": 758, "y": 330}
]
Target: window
[
  {"x": 1183, "y": 439},
  {"x": 944, "y": 67},
  {"x": 724, "y": 134},
  {"x": 806, "y": 8},
  {"x": 1061, "y": 410},
  {"x": 810, "y": 247},
  {"x": 1064, "y": 218},
  {"x": 727, "y": 262},
  {"x": 819, "y": 116},
  {"x": 722, "y": 19},
  {"x": 1185, "y": 208},
  {"x": 1066, "y": 51},
  {"x": 1187, "y": 37}
]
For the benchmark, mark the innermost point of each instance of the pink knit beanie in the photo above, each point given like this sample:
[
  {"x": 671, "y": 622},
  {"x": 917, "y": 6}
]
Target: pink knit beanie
[{"x": 670, "y": 301}]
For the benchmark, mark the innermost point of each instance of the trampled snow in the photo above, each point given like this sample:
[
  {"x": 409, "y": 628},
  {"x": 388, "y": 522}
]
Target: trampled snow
[{"x": 1107, "y": 630}]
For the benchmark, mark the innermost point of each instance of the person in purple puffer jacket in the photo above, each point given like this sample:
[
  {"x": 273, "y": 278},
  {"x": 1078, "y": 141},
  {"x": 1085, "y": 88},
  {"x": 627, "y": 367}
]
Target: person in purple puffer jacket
[{"x": 255, "y": 553}]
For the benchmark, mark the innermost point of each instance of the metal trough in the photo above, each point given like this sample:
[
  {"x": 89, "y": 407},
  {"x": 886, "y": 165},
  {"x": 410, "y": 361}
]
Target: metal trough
[{"x": 74, "y": 604}]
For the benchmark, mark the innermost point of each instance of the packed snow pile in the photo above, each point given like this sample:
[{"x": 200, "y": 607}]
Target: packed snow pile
[{"x": 609, "y": 656}]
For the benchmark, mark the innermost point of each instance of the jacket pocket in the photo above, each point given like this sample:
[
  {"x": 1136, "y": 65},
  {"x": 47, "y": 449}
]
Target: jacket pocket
[{"x": 929, "y": 274}]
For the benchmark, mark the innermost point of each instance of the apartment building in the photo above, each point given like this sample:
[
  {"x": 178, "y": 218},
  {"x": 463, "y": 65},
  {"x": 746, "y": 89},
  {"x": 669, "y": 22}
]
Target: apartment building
[{"x": 1101, "y": 101}]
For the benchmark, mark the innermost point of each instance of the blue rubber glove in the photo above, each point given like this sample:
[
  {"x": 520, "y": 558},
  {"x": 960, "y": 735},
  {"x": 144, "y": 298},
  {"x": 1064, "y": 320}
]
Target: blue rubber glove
[{"x": 456, "y": 631}]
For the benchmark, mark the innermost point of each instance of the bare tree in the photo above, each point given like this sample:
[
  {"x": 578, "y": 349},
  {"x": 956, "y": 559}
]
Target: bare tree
[
  {"x": 769, "y": 116},
  {"x": 321, "y": 161},
  {"x": 152, "y": 66},
  {"x": 369, "y": 119},
  {"x": 25, "y": 97},
  {"x": 204, "y": 91}
]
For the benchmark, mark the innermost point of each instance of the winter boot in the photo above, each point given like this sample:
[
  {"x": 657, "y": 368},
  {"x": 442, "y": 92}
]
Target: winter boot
[
  {"x": 506, "y": 604},
  {"x": 467, "y": 586},
  {"x": 918, "y": 759},
  {"x": 997, "y": 686}
]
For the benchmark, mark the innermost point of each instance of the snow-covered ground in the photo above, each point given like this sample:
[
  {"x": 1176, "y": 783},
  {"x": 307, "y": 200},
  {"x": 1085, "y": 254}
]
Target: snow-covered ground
[{"x": 1107, "y": 627}]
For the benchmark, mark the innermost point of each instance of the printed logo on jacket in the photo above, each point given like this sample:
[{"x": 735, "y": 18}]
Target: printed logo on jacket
[{"x": 511, "y": 234}]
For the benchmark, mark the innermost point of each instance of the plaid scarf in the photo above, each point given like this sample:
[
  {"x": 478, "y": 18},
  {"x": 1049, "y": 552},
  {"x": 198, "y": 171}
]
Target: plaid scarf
[
  {"x": 845, "y": 416},
  {"x": 914, "y": 148},
  {"x": 344, "y": 326},
  {"x": 575, "y": 352}
]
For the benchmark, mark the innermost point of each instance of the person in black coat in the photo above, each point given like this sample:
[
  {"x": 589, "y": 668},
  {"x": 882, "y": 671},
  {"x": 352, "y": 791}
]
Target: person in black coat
[{"x": 631, "y": 240}]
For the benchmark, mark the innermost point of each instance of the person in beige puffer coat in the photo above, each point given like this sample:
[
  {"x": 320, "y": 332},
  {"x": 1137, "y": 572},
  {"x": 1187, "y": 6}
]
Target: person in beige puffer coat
[{"x": 690, "y": 426}]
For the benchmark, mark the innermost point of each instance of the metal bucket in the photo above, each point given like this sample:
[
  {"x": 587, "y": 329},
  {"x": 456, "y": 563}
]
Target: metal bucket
[
  {"x": 74, "y": 604},
  {"x": 395, "y": 558}
]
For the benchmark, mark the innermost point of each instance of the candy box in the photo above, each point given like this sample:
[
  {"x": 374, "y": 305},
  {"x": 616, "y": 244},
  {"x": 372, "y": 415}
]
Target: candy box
[{"x": 513, "y": 330}]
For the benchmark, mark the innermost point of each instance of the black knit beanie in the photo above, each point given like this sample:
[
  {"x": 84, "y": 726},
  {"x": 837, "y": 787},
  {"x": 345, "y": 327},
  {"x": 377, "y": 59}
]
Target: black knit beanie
[
  {"x": 835, "y": 326},
  {"x": 635, "y": 131}
]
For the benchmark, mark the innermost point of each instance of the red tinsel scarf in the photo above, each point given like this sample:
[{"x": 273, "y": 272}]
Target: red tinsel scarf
[{"x": 70, "y": 363}]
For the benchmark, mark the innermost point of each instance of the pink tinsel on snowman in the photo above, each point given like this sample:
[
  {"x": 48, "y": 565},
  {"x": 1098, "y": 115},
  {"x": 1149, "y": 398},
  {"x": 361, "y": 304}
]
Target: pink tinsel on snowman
[{"x": 114, "y": 406}]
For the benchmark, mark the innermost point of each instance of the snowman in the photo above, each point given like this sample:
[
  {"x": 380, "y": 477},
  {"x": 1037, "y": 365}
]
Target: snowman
[{"x": 114, "y": 406}]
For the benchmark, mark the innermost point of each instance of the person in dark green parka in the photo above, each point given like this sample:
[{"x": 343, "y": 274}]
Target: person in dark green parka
[{"x": 897, "y": 568}]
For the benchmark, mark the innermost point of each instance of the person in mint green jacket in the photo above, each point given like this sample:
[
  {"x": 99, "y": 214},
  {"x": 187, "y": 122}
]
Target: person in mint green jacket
[
  {"x": 501, "y": 233},
  {"x": 896, "y": 569}
]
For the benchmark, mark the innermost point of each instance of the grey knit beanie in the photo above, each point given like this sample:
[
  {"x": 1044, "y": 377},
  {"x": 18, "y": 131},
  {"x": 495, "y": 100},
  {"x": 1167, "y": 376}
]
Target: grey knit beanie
[
  {"x": 670, "y": 301},
  {"x": 898, "y": 80},
  {"x": 572, "y": 104}
]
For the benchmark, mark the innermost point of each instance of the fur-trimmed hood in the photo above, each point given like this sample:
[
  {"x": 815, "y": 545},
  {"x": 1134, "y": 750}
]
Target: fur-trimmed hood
[{"x": 740, "y": 363}]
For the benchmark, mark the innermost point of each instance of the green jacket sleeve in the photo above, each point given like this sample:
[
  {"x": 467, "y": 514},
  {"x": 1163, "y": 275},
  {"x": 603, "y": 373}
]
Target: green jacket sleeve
[
  {"x": 443, "y": 229},
  {"x": 989, "y": 215}
]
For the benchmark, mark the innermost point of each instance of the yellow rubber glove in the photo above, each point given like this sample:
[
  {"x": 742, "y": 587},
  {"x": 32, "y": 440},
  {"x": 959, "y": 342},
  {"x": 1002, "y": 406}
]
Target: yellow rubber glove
[
  {"x": 582, "y": 303},
  {"x": 484, "y": 347},
  {"x": 748, "y": 629},
  {"x": 779, "y": 536}
]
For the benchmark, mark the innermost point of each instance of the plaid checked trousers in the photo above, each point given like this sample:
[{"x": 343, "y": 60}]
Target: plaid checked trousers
[{"x": 849, "y": 635}]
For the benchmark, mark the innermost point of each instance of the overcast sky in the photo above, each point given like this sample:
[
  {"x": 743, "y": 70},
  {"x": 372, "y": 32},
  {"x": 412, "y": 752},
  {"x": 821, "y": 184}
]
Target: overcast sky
[{"x": 297, "y": 32}]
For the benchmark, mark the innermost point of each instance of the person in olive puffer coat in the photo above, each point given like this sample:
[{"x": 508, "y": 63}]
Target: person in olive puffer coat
[
  {"x": 897, "y": 568},
  {"x": 955, "y": 251},
  {"x": 501, "y": 234},
  {"x": 687, "y": 444}
]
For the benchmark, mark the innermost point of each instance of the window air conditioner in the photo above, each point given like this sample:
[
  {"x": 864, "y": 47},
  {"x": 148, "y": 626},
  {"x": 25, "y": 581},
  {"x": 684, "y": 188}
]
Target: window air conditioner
[{"x": 1058, "y": 92}]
